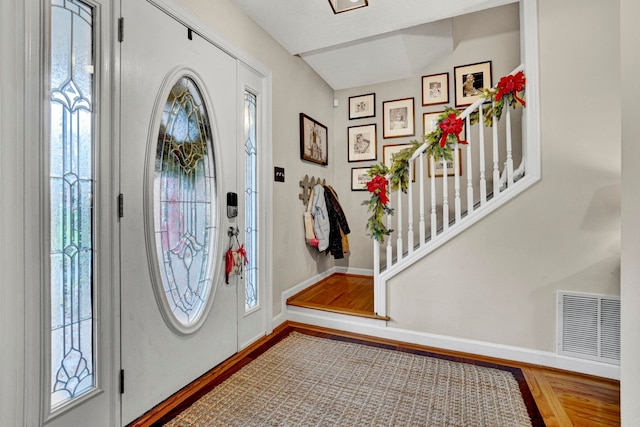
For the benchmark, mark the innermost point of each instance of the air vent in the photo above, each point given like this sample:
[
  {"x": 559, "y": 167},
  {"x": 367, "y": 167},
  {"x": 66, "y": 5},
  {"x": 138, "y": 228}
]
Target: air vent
[{"x": 589, "y": 326}]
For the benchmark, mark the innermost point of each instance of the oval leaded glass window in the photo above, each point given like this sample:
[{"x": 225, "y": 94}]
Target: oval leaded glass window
[{"x": 183, "y": 207}]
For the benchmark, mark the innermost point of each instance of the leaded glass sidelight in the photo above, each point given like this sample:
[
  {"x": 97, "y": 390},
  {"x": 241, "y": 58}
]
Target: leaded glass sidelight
[
  {"x": 71, "y": 184},
  {"x": 184, "y": 197},
  {"x": 251, "y": 201}
]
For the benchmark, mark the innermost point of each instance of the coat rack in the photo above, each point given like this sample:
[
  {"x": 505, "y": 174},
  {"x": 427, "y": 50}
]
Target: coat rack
[{"x": 307, "y": 185}]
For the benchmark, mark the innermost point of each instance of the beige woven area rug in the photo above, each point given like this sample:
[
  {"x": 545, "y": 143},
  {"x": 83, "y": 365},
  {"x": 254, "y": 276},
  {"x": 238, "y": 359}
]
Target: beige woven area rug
[{"x": 310, "y": 381}]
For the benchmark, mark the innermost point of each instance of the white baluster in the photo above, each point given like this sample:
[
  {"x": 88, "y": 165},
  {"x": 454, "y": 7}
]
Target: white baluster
[
  {"x": 389, "y": 245},
  {"x": 509, "y": 149},
  {"x": 456, "y": 182},
  {"x": 496, "y": 170},
  {"x": 421, "y": 227},
  {"x": 483, "y": 178},
  {"x": 410, "y": 213},
  {"x": 378, "y": 294},
  {"x": 399, "y": 247},
  {"x": 469, "y": 170},
  {"x": 445, "y": 195},
  {"x": 434, "y": 212}
]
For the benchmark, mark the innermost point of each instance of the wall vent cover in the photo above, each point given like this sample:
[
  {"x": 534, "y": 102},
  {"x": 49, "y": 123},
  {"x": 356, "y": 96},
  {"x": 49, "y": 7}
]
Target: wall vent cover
[{"x": 589, "y": 326}]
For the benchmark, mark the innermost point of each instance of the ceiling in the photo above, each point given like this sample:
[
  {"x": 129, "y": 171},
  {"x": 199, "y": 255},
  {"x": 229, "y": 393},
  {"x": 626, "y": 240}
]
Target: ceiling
[{"x": 387, "y": 40}]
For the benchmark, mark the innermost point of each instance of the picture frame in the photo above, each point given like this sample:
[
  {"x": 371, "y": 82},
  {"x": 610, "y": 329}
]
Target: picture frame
[
  {"x": 362, "y": 144},
  {"x": 362, "y": 106},
  {"x": 359, "y": 178},
  {"x": 470, "y": 80},
  {"x": 430, "y": 121},
  {"x": 435, "y": 89},
  {"x": 339, "y": 6},
  {"x": 390, "y": 149},
  {"x": 436, "y": 169},
  {"x": 398, "y": 118},
  {"x": 313, "y": 140}
]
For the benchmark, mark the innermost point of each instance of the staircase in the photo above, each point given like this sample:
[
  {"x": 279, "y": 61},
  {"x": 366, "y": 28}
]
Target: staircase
[{"x": 442, "y": 202}]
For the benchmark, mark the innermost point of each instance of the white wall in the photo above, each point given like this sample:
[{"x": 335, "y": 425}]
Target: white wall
[
  {"x": 497, "y": 282},
  {"x": 630, "y": 267},
  {"x": 296, "y": 88},
  {"x": 11, "y": 224}
]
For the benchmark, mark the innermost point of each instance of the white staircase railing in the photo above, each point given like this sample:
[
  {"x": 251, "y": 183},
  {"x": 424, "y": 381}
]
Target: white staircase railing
[{"x": 486, "y": 163}]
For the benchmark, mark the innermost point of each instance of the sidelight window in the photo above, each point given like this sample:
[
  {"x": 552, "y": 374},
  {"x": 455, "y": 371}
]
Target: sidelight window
[
  {"x": 71, "y": 191},
  {"x": 251, "y": 200}
]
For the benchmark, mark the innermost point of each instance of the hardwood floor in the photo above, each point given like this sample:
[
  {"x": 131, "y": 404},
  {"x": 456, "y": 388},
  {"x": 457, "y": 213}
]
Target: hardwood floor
[
  {"x": 562, "y": 398},
  {"x": 568, "y": 399},
  {"x": 339, "y": 293}
]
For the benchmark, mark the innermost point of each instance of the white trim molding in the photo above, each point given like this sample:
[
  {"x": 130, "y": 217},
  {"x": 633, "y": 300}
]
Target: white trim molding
[{"x": 379, "y": 328}]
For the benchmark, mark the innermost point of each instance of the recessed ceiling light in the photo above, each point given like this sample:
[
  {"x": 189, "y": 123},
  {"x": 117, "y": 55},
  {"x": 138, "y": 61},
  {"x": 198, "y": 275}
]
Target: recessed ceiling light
[{"x": 340, "y": 6}]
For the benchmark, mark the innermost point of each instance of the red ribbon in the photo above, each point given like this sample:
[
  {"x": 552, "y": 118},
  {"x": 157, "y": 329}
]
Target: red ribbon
[
  {"x": 228, "y": 264},
  {"x": 243, "y": 252},
  {"x": 229, "y": 261},
  {"x": 512, "y": 84},
  {"x": 378, "y": 186},
  {"x": 451, "y": 125}
]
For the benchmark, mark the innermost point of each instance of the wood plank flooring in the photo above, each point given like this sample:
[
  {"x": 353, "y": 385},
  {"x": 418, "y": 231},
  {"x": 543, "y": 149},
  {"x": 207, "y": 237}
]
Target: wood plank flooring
[
  {"x": 568, "y": 399},
  {"x": 339, "y": 293}
]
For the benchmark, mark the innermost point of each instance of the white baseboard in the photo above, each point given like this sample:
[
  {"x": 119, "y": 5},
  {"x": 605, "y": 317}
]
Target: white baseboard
[
  {"x": 379, "y": 328},
  {"x": 304, "y": 315},
  {"x": 358, "y": 271}
]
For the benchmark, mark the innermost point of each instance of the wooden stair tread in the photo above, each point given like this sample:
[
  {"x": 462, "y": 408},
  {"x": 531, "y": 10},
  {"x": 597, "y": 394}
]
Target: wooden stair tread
[{"x": 341, "y": 293}]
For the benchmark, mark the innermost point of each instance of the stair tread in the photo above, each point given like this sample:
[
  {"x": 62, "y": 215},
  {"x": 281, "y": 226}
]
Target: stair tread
[{"x": 339, "y": 293}]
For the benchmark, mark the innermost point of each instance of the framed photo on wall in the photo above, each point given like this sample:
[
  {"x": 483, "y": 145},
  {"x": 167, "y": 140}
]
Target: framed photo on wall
[
  {"x": 435, "y": 89},
  {"x": 436, "y": 169},
  {"x": 390, "y": 149},
  {"x": 430, "y": 122},
  {"x": 362, "y": 106},
  {"x": 362, "y": 143},
  {"x": 313, "y": 140},
  {"x": 398, "y": 118},
  {"x": 359, "y": 178},
  {"x": 470, "y": 80}
]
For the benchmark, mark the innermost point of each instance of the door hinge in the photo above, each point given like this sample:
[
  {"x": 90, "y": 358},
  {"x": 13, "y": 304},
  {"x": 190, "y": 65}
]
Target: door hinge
[
  {"x": 121, "y": 381},
  {"x": 120, "y": 29},
  {"x": 120, "y": 205}
]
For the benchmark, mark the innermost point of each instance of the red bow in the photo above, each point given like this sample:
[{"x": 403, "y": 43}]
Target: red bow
[
  {"x": 378, "y": 185},
  {"x": 243, "y": 253},
  {"x": 512, "y": 84},
  {"x": 451, "y": 125},
  {"x": 230, "y": 262}
]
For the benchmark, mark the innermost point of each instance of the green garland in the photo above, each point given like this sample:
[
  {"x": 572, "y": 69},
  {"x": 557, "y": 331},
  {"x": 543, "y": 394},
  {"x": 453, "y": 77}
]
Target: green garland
[{"x": 398, "y": 173}]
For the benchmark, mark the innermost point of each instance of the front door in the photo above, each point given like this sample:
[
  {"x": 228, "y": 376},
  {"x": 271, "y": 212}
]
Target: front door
[{"x": 179, "y": 129}]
